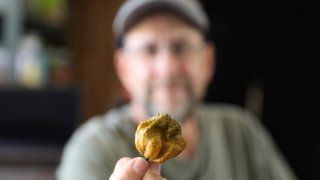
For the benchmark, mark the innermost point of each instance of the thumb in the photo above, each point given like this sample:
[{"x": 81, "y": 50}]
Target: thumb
[{"x": 133, "y": 169}]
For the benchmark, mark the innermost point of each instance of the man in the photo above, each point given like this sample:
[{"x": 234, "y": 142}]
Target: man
[{"x": 165, "y": 61}]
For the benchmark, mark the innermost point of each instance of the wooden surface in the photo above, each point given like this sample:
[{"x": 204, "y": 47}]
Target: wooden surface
[{"x": 92, "y": 46}]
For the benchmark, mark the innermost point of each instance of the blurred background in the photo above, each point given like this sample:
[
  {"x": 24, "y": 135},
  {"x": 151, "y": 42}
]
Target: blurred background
[{"x": 56, "y": 71}]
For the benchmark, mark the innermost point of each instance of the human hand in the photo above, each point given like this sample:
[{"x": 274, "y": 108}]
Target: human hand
[{"x": 136, "y": 169}]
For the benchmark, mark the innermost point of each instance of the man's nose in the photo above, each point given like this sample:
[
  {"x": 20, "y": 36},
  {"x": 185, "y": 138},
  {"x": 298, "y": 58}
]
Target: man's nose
[{"x": 168, "y": 64}]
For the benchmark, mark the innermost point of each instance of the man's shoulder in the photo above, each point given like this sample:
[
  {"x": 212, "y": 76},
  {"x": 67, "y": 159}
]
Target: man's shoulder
[
  {"x": 236, "y": 121},
  {"x": 227, "y": 113},
  {"x": 101, "y": 140},
  {"x": 106, "y": 123}
]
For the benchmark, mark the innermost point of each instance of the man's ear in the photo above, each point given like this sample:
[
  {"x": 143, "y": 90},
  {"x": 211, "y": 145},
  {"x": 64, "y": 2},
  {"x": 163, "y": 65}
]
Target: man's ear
[
  {"x": 120, "y": 66},
  {"x": 211, "y": 60},
  {"x": 121, "y": 70}
]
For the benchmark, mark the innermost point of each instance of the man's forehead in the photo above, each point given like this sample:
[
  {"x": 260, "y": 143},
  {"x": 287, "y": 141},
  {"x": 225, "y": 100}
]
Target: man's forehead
[{"x": 162, "y": 25}]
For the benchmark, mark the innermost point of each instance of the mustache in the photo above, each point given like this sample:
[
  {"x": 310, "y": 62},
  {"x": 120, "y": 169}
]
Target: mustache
[{"x": 171, "y": 82}]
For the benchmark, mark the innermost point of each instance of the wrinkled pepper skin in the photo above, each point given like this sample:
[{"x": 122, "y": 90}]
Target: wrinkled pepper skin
[{"x": 159, "y": 138}]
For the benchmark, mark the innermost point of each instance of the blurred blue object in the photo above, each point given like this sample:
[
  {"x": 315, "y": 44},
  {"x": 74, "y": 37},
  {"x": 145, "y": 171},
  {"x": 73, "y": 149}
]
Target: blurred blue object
[
  {"x": 11, "y": 15},
  {"x": 4, "y": 66}
]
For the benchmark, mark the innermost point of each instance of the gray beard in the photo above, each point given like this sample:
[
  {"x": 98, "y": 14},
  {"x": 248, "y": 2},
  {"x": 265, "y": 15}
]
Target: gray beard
[{"x": 181, "y": 114}]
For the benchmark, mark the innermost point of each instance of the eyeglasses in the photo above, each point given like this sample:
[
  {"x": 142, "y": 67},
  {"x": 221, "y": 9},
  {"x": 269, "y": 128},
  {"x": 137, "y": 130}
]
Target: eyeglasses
[{"x": 183, "y": 50}]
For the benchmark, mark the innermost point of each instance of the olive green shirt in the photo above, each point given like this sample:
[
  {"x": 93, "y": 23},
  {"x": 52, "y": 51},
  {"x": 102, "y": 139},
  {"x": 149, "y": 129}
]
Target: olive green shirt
[{"x": 233, "y": 146}]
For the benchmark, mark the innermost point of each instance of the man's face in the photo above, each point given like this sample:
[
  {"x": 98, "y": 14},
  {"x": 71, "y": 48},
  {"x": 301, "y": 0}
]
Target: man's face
[{"x": 165, "y": 65}]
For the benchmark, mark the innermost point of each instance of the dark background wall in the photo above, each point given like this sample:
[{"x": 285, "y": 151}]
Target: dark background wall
[{"x": 272, "y": 43}]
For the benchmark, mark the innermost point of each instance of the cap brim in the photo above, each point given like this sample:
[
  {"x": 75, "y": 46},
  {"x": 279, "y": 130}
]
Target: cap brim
[{"x": 135, "y": 10}]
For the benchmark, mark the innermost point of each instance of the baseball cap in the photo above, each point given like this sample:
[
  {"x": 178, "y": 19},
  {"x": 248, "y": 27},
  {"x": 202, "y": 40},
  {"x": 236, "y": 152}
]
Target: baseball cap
[{"x": 134, "y": 10}]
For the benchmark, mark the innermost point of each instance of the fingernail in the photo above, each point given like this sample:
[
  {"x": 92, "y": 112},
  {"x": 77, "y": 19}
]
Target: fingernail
[{"x": 140, "y": 166}]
